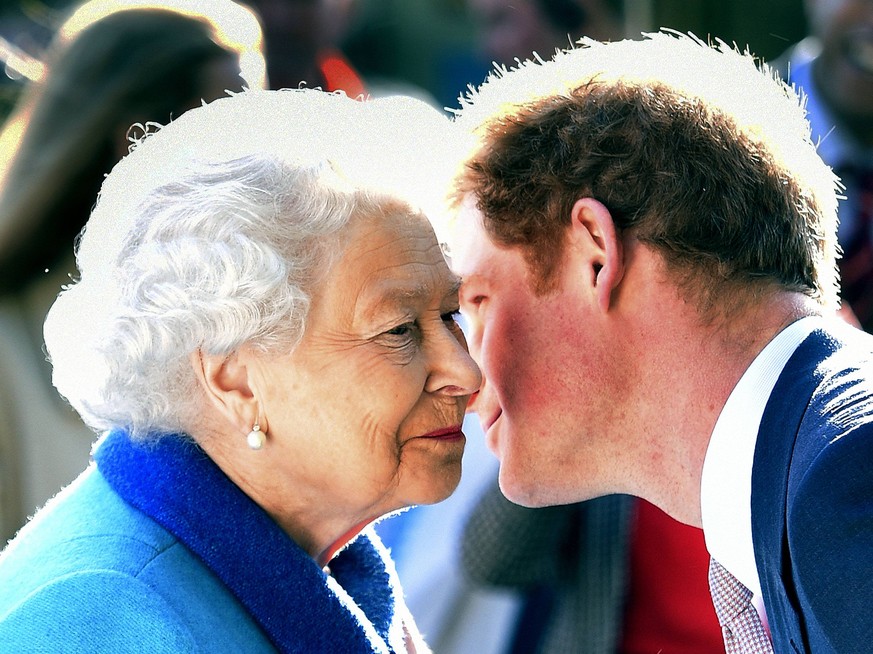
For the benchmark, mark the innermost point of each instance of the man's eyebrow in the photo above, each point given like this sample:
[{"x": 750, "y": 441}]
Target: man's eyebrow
[{"x": 470, "y": 278}]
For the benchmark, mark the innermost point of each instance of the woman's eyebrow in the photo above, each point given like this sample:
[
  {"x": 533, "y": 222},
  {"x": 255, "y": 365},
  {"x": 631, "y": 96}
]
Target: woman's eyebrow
[
  {"x": 391, "y": 295},
  {"x": 394, "y": 295}
]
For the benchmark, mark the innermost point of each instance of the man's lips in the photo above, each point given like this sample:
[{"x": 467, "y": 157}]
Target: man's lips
[
  {"x": 445, "y": 434},
  {"x": 488, "y": 422}
]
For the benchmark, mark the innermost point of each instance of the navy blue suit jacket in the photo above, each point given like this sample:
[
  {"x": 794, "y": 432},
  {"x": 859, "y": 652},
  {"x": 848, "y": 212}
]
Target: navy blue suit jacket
[{"x": 812, "y": 497}]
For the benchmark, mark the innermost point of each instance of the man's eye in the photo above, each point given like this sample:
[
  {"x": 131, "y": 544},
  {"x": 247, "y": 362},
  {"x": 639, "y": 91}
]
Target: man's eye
[
  {"x": 451, "y": 316},
  {"x": 472, "y": 301}
]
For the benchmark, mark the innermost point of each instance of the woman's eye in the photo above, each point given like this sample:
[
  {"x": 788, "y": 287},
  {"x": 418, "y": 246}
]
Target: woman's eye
[
  {"x": 401, "y": 330},
  {"x": 401, "y": 341},
  {"x": 403, "y": 335}
]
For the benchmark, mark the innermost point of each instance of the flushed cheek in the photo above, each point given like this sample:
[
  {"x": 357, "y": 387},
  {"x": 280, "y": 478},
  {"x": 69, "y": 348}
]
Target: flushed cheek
[
  {"x": 472, "y": 329},
  {"x": 509, "y": 357}
]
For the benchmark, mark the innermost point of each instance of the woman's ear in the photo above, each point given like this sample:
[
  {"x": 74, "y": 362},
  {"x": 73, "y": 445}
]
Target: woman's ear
[
  {"x": 225, "y": 380},
  {"x": 593, "y": 230}
]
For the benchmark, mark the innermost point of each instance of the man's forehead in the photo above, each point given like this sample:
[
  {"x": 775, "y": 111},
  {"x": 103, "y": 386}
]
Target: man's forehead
[{"x": 468, "y": 236}]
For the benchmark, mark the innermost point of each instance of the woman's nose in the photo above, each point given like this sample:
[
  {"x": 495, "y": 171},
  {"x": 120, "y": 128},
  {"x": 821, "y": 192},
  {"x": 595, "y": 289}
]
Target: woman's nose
[
  {"x": 471, "y": 403},
  {"x": 453, "y": 370}
]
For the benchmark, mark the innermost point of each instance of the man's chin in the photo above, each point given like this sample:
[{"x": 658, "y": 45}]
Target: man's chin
[
  {"x": 534, "y": 490},
  {"x": 521, "y": 489}
]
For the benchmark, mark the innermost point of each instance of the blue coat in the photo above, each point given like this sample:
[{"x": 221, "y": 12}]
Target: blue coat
[
  {"x": 154, "y": 550},
  {"x": 812, "y": 498}
]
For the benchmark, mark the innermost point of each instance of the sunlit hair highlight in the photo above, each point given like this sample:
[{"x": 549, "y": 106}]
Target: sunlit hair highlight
[
  {"x": 213, "y": 234},
  {"x": 693, "y": 149}
]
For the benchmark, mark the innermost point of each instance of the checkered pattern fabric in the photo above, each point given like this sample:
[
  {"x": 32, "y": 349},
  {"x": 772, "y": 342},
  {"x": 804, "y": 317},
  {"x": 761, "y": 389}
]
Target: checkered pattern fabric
[{"x": 740, "y": 624}]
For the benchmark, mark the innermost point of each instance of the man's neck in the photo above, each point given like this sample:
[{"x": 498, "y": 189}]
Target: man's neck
[{"x": 690, "y": 371}]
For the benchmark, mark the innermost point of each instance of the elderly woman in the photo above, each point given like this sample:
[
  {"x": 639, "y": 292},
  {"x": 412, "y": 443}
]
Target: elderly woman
[{"x": 264, "y": 329}]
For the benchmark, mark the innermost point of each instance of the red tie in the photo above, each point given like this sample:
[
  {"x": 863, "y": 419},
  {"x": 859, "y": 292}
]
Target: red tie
[
  {"x": 856, "y": 266},
  {"x": 740, "y": 623}
]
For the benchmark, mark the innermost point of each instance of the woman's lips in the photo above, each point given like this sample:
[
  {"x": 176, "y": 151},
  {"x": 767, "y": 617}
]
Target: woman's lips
[{"x": 446, "y": 434}]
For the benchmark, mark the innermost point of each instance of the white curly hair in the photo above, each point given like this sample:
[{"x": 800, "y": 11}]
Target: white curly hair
[{"x": 213, "y": 231}]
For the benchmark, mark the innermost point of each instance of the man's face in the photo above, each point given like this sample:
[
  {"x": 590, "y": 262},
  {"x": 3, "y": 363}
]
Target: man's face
[{"x": 550, "y": 384}]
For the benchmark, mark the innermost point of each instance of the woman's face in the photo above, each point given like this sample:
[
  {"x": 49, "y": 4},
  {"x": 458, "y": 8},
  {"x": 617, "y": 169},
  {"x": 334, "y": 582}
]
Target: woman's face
[{"x": 366, "y": 412}]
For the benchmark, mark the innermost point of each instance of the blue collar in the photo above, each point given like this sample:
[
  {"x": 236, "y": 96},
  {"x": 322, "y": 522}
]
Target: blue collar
[{"x": 296, "y": 604}]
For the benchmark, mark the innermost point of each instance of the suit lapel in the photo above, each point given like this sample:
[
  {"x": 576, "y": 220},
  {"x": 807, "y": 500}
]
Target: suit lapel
[{"x": 774, "y": 451}]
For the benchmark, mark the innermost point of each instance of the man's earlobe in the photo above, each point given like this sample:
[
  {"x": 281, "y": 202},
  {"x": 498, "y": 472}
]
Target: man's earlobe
[{"x": 594, "y": 229}]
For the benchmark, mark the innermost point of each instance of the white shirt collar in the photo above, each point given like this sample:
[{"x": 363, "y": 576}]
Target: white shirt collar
[{"x": 726, "y": 483}]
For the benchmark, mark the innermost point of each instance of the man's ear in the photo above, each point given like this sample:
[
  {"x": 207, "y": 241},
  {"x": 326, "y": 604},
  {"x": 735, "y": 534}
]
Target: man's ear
[
  {"x": 226, "y": 384},
  {"x": 593, "y": 230}
]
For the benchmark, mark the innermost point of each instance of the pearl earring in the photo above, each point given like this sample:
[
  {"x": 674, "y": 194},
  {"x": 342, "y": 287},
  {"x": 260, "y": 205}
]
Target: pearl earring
[{"x": 256, "y": 437}]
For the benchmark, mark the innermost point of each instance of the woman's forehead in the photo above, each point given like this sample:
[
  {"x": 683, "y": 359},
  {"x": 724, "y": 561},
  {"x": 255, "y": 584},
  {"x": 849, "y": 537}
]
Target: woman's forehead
[{"x": 392, "y": 260}]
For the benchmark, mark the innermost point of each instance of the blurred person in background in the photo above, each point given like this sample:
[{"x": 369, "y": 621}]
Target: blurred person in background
[
  {"x": 423, "y": 48},
  {"x": 111, "y": 65},
  {"x": 264, "y": 330},
  {"x": 613, "y": 575},
  {"x": 26, "y": 28},
  {"x": 515, "y": 30},
  {"x": 834, "y": 68},
  {"x": 300, "y": 43}
]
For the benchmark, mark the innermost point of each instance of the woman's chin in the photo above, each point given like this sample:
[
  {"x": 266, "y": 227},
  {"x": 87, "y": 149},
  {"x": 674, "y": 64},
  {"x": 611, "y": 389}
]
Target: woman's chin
[{"x": 440, "y": 488}]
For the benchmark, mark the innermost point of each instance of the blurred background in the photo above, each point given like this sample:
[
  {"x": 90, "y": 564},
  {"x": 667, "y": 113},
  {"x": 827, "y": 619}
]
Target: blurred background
[
  {"x": 432, "y": 49},
  {"x": 432, "y": 45}
]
